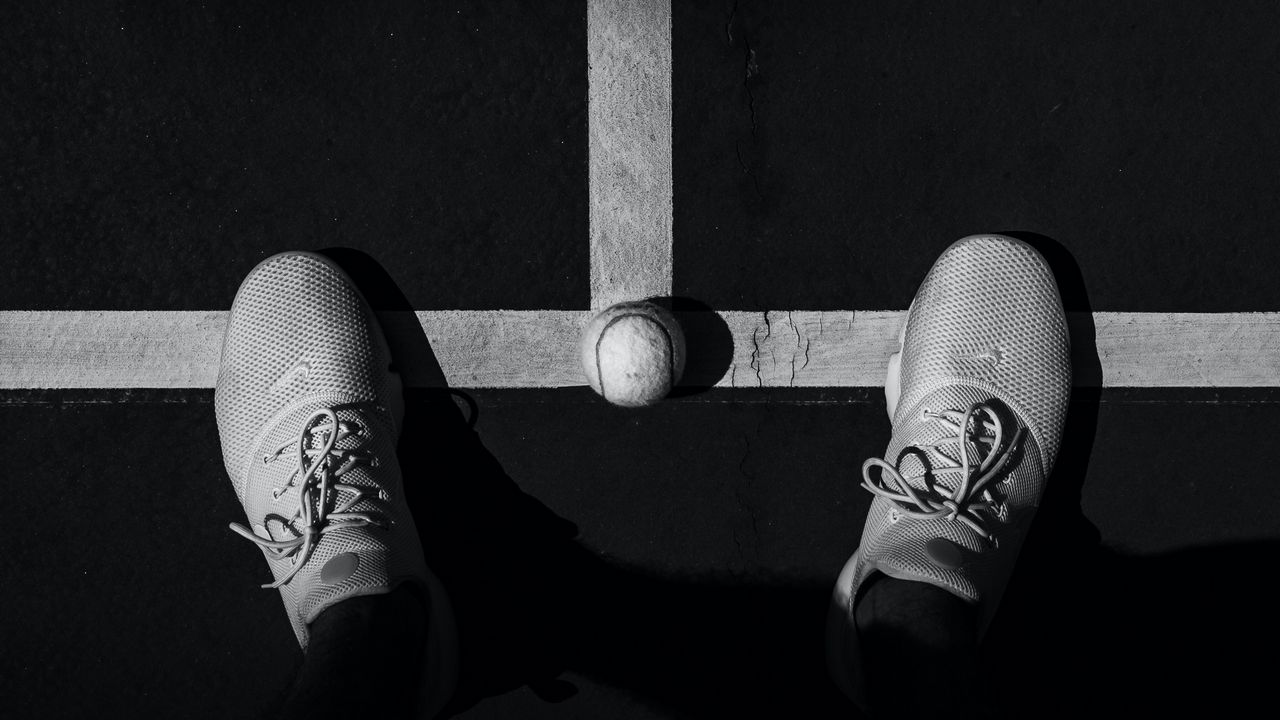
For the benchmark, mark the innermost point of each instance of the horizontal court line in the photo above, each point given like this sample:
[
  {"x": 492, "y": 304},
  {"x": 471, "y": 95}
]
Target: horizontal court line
[
  {"x": 538, "y": 349},
  {"x": 493, "y": 397}
]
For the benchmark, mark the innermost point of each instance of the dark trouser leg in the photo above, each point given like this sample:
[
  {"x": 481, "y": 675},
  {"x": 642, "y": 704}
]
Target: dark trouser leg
[
  {"x": 365, "y": 658},
  {"x": 920, "y": 651}
]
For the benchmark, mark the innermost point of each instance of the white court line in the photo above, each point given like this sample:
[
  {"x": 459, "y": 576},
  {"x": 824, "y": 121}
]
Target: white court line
[
  {"x": 629, "y": 127},
  {"x": 629, "y": 149},
  {"x": 538, "y": 349}
]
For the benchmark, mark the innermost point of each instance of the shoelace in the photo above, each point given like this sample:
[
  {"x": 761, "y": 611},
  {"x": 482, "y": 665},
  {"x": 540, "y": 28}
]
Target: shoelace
[
  {"x": 318, "y": 478},
  {"x": 974, "y": 489}
]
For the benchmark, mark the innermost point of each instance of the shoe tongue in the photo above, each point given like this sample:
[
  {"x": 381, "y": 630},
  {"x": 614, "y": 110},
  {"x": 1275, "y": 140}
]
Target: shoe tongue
[
  {"x": 286, "y": 435},
  {"x": 923, "y": 442},
  {"x": 317, "y": 427}
]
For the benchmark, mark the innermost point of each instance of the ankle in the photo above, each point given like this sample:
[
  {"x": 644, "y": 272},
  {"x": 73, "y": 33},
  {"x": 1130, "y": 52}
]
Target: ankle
[
  {"x": 398, "y": 617},
  {"x": 369, "y": 646},
  {"x": 915, "y": 608},
  {"x": 910, "y": 632}
]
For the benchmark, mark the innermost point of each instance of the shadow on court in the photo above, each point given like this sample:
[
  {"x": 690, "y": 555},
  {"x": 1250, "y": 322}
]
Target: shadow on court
[{"x": 1082, "y": 628}]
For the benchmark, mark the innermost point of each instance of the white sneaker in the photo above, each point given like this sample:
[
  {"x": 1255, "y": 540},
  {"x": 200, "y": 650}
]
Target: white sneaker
[
  {"x": 978, "y": 398},
  {"x": 309, "y": 415}
]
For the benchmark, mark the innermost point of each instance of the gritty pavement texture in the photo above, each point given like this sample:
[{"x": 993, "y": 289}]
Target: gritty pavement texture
[
  {"x": 675, "y": 562},
  {"x": 826, "y": 152},
  {"x": 151, "y": 156}
]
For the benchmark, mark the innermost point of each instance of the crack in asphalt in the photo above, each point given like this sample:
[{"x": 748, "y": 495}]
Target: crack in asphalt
[{"x": 751, "y": 69}]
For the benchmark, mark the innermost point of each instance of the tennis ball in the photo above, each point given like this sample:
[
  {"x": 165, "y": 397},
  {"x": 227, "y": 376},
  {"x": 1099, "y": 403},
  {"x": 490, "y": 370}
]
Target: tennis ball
[{"x": 633, "y": 353}]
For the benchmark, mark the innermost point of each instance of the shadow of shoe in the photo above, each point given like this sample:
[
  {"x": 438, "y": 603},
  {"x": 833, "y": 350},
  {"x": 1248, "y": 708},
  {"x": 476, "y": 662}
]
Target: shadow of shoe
[
  {"x": 1179, "y": 634},
  {"x": 1062, "y": 541},
  {"x": 1103, "y": 633},
  {"x": 1061, "y": 530},
  {"x": 531, "y": 602},
  {"x": 483, "y": 537}
]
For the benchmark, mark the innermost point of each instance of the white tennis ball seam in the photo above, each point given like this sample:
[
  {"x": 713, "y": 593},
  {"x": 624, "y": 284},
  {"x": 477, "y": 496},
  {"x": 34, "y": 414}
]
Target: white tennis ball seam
[{"x": 671, "y": 350}]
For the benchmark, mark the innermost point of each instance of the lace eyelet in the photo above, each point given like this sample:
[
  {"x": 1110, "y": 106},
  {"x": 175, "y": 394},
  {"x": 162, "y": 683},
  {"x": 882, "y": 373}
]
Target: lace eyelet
[{"x": 894, "y": 515}]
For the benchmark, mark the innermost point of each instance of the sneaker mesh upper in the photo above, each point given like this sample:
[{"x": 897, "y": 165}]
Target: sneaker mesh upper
[
  {"x": 988, "y": 314},
  {"x": 300, "y": 339},
  {"x": 293, "y": 309}
]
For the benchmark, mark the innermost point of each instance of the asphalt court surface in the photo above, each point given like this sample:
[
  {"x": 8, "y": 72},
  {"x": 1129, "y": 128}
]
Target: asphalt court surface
[
  {"x": 674, "y": 562},
  {"x": 153, "y": 155},
  {"x": 823, "y": 152}
]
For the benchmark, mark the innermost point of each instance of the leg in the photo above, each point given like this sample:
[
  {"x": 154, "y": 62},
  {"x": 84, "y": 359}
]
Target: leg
[
  {"x": 914, "y": 634},
  {"x": 372, "y": 648}
]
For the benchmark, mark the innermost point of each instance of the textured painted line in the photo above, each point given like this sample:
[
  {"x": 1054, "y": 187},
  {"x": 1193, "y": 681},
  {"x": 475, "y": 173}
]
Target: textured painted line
[
  {"x": 41, "y": 349},
  {"x": 629, "y": 148},
  {"x": 104, "y": 349},
  {"x": 1189, "y": 349},
  {"x": 835, "y": 349},
  {"x": 538, "y": 349},
  {"x": 810, "y": 348}
]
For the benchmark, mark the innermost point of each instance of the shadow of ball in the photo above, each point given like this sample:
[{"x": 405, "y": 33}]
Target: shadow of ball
[{"x": 708, "y": 345}]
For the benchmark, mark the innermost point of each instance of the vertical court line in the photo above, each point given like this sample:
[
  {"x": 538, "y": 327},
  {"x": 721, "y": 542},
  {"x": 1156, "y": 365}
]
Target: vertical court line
[{"x": 629, "y": 149}]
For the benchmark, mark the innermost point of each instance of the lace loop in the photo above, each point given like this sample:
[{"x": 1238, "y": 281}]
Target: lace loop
[
  {"x": 318, "y": 481},
  {"x": 972, "y": 494}
]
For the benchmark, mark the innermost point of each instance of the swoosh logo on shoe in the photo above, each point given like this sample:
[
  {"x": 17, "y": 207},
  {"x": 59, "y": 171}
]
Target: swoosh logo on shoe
[
  {"x": 301, "y": 371},
  {"x": 990, "y": 357}
]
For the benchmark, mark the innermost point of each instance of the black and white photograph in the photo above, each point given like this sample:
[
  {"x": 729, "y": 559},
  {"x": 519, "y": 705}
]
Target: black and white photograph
[{"x": 639, "y": 359}]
